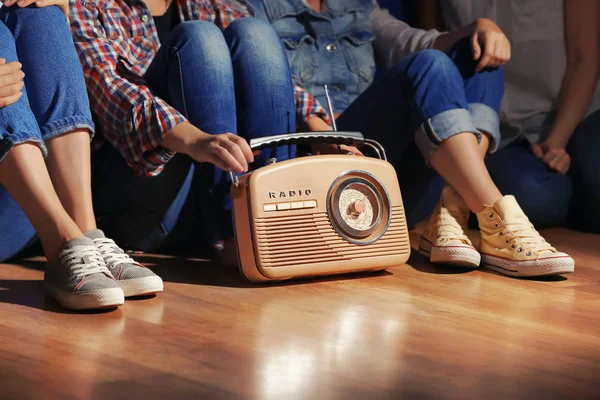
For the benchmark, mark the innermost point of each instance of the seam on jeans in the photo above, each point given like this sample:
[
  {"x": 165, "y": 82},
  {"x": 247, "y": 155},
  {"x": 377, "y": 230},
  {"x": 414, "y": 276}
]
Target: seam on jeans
[
  {"x": 185, "y": 113},
  {"x": 430, "y": 132}
]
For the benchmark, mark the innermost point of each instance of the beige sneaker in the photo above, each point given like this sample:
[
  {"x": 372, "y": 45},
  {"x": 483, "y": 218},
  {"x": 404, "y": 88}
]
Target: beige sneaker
[
  {"x": 511, "y": 245},
  {"x": 444, "y": 240}
]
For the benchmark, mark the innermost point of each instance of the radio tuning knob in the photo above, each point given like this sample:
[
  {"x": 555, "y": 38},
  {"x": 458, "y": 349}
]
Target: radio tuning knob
[{"x": 357, "y": 208}]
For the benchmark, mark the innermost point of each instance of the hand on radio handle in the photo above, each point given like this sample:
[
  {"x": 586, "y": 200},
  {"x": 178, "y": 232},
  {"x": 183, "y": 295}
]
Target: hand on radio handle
[
  {"x": 316, "y": 124},
  {"x": 227, "y": 151}
]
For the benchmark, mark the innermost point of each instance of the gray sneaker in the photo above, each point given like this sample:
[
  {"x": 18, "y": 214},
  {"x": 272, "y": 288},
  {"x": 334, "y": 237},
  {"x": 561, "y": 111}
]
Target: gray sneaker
[
  {"x": 79, "y": 279},
  {"x": 132, "y": 277}
]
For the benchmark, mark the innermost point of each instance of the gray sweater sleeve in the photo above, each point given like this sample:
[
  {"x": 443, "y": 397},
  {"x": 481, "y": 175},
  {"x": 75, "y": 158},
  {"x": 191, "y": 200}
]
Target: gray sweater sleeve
[{"x": 395, "y": 39}]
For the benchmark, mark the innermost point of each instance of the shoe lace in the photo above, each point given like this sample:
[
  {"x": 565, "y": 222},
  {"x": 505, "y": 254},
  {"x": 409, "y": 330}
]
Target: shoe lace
[
  {"x": 83, "y": 261},
  {"x": 527, "y": 236},
  {"x": 452, "y": 226},
  {"x": 113, "y": 255}
]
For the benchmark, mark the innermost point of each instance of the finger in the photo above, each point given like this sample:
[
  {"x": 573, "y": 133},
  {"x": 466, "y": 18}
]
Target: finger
[
  {"x": 555, "y": 162},
  {"x": 229, "y": 159},
  {"x": 550, "y": 155},
  {"x": 537, "y": 151},
  {"x": 488, "y": 54},
  {"x": 2, "y": 61},
  {"x": 476, "y": 47},
  {"x": 236, "y": 152},
  {"x": 9, "y": 3},
  {"x": 25, "y": 3},
  {"x": 11, "y": 90},
  {"x": 243, "y": 144},
  {"x": 7, "y": 101},
  {"x": 10, "y": 68},
  {"x": 505, "y": 51},
  {"x": 217, "y": 161},
  {"x": 558, "y": 161},
  {"x": 564, "y": 165},
  {"x": 13, "y": 79}
]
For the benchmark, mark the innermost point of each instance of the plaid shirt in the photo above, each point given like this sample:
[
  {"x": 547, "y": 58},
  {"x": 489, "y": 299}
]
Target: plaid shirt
[{"x": 116, "y": 41}]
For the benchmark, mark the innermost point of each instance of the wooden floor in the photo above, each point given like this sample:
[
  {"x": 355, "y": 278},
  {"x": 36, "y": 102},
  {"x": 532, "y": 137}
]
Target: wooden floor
[{"x": 415, "y": 331}]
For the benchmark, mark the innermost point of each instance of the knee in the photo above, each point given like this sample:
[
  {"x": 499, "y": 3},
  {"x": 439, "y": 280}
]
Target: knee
[
  {"x": 202, "y": 34},
  {"x": 253, "y": 41},
  {"x": 254, "y": 29},
  {"x": 201, "y": 41},
  {"x": 256, "y": 35},
  {"x": 431, "y": 60},
  {"x": 546, "y": 202},
  {"x": 51, "y": 17}
]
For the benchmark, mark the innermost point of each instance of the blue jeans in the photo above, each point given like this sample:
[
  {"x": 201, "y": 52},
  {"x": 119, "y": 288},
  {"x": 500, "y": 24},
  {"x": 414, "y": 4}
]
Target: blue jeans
[
  {"x": 234, "y": 81},
  {"x": 548, "y": 198},
  {"x": 54, "y": 100},
  {"x": 427, "y": 98}
]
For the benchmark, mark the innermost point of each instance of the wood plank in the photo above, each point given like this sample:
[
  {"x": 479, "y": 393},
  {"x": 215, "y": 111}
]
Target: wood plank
[{"x": 415, "y": 330}]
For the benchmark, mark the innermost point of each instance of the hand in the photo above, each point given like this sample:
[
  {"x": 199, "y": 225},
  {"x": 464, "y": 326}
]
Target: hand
[
  {"x": 11, "y": 82},
  {"x": 490, "y": 45},
  {"x": 556, "y": 158},
  {"x": 227, "y": 151},
  {"x": 62, "y": 4},
  {"x": 334, "y": 149}
]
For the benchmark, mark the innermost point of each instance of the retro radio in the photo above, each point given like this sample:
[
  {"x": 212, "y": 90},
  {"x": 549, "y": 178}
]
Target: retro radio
[{"x": 319, "y": 215}]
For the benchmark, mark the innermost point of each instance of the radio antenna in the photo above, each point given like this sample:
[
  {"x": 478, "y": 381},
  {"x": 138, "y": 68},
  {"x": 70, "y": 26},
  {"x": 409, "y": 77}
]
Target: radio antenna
[{"x": 330, "y": 109}]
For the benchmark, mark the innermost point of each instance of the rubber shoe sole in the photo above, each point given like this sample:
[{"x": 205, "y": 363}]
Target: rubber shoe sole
[
  {"x": 460, "y": 256},
  {"x": 141, "y": 286},
  {"x": 91, "y": 300},
  {"x": 559, "y": 265}
]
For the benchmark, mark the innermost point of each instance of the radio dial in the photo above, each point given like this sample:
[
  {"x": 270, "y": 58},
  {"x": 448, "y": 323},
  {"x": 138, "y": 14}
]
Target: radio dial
[{"x": 358, "y": 207}]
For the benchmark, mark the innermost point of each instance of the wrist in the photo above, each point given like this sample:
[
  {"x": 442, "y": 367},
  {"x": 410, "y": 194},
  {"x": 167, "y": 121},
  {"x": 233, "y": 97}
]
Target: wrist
[
  {"x": 182, "y": 138},
  {"x": 557, "y": 141},
  {"x": 316, "y": 124}
]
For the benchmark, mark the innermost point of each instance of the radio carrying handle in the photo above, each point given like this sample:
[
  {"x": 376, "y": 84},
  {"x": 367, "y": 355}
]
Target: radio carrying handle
[
  {"x": 348, "y": 138},
  {"x": 326, "y": 137}
]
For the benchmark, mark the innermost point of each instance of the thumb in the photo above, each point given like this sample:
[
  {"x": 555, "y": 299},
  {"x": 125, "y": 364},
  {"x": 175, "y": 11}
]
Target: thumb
[
  {"x": 537, "y": 151},
  {"x": 2, "y": 61},
  {"x": 476, "y": 47}
]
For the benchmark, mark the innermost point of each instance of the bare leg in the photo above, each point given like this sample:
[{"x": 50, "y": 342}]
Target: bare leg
[
  {"x": 459, "y": 161},
  {"x": 68, "y": 164},
  {"x": 24, "y": 174}
]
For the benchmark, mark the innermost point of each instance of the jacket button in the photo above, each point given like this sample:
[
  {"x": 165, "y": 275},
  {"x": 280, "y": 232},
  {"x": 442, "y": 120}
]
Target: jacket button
[
  {"x": 331, "y": 47},
  {"x": 145, "y": 18}
]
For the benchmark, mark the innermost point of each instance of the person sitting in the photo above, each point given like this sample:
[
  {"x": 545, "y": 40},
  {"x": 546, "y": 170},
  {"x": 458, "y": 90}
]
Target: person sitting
[
  {"x": 44, "y": 113},
  {"x": 440, "y": 95},
  {"x": 176, "y": 87},
  {"x": 551, "y": 111}
]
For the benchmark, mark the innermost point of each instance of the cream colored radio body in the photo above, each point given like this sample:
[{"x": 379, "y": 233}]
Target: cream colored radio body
[{"x": 318, "y": 215}]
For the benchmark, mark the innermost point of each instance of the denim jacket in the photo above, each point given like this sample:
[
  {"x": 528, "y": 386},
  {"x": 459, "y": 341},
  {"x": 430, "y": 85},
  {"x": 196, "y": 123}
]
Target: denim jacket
[{"x": 333, "y": 48}]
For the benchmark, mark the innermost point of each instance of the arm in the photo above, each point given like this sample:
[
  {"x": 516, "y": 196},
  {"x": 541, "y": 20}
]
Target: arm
[
  {"x": 145, "y": 129},
  {"x": 396, "y": 40},
  {"x": 309, "y": 112},
  {"x": 579, "y": 82}
]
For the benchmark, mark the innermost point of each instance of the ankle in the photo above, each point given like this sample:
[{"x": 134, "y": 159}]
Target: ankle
[{"x": 54, "y": 242}]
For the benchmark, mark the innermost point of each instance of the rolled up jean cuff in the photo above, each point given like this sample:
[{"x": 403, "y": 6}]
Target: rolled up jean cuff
[
  {"x": 11, "y": 140},
  {"x": 61, "y": 126},
  {"x": 486, "y": 120},
  {"x": 443, "y": 126}
]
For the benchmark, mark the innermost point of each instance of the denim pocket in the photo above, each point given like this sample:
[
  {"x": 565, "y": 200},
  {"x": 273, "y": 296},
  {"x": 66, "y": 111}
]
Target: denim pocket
[
  {"x": 360, "y": 56},
  {"x": 302, "y": 55}
]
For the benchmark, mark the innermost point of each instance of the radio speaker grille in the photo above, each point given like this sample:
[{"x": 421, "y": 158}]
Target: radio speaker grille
[{"x": 311, "y": 239}]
